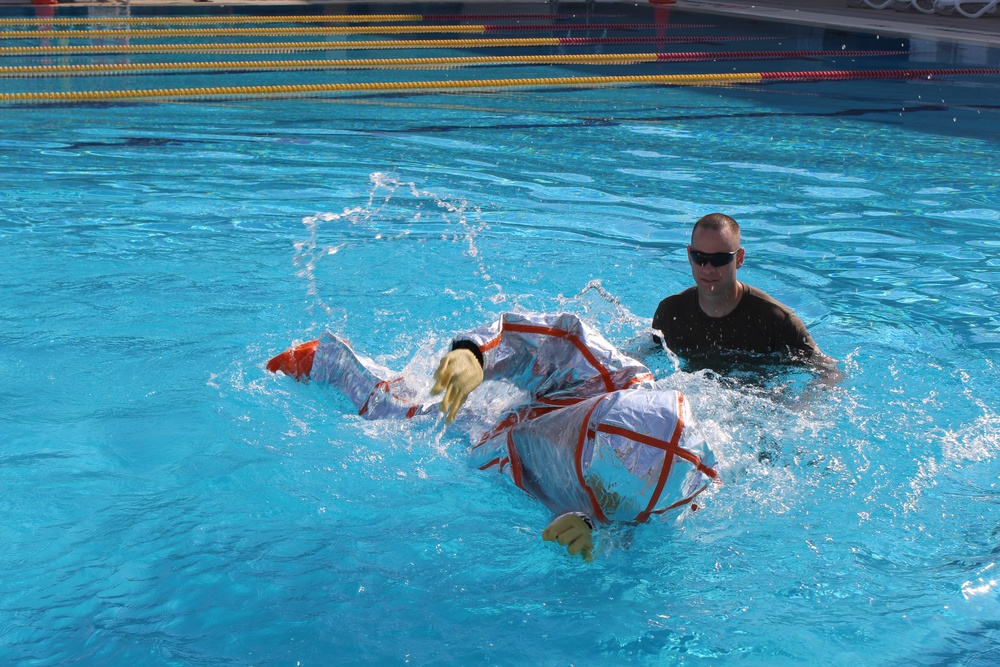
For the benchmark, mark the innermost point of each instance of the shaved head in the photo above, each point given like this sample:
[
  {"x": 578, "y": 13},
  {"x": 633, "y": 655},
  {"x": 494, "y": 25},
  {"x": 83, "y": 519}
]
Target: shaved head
[{"x": 717, "y": 222}]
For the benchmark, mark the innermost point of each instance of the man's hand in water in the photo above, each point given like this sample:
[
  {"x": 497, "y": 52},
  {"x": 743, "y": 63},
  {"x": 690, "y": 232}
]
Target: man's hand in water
[
  {"x": 571, "y": 531},
  {"x": 458, "y": 374}
]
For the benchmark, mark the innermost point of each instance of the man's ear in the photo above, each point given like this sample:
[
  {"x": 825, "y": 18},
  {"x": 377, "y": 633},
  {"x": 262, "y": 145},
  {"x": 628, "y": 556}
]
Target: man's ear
[{"x": 740, "y": 254}]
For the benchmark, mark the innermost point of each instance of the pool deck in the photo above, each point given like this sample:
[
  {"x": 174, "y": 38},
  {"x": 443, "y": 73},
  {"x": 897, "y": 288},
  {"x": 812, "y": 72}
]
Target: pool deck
[
  {"x": 838, "y": 14},
  {"x": 984, "y": 31}
]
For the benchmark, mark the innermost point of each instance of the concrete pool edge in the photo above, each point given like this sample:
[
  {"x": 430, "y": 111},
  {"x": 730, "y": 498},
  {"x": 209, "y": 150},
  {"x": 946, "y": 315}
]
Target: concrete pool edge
[{"x": 984, "y": 31}]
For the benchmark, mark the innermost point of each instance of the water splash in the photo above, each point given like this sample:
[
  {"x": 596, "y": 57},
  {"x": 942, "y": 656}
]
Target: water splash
[
  {"x": 984, "y": 583},
  {"x": 979, "y": 440},
  {"x": 604, "y": 310},
  {"x": 388, "y": 216}
]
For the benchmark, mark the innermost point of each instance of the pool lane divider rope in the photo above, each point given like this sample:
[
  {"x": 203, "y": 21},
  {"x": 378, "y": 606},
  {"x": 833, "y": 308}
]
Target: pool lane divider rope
[
  {"x": 480, "y": 84},
  {"x": 388, "y": 44},
  {"x": 399, "y": 63},
  {"x": 324, "y": 18},
  {"x": 473, "y": 29}
]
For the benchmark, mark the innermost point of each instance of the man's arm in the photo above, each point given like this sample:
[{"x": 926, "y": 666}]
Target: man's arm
[{"x": 803, "y": 348}]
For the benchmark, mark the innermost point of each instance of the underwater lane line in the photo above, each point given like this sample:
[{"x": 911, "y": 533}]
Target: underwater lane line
[
  {"x": 480, "y": 84},
  {"x": 389, "y": 44},
  {"x": 416, "y": 63}
]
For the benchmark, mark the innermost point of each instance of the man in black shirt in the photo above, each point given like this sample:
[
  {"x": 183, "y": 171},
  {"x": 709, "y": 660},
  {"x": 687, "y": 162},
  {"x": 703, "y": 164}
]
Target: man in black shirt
[{"x": 721, "y": 314}]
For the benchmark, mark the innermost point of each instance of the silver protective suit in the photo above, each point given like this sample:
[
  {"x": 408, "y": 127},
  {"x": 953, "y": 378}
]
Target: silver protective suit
[{"x": 595, "y": 435}]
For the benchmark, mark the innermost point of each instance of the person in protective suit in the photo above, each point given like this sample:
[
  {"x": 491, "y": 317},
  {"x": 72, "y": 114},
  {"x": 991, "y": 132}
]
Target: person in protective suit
[{"x": 595, "y": 442}]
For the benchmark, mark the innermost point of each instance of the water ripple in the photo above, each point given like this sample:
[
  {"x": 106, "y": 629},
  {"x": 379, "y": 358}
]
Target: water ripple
[{"x": 840, "y": 193}]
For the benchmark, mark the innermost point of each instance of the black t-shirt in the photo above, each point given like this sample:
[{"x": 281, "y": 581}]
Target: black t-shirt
[{"x": 759, "y": 324}]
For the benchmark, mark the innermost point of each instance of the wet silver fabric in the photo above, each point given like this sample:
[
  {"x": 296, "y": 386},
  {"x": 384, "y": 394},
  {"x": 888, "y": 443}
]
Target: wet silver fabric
[
  {"x": 377, "y": 392},
  {"x": 594, "y": 436}
]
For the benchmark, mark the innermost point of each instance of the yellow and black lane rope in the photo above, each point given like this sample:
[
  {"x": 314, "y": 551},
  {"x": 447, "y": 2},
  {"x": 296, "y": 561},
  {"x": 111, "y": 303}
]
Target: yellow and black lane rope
[
  {"x": 482, "y": 84},
  {"x": 387, "y": 44},
  {"x": 416, "y": 63},
  {"x": 326, "y": 31},
  {"x": 156, "y": 33},
  {"x": 377, "y": 87},
  {"x": 288, "y": 18},
  {"x": 208, "y": 20}
]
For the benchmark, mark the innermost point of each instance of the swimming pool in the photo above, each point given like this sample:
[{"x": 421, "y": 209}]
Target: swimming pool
[{"x": 167, "y": 501}]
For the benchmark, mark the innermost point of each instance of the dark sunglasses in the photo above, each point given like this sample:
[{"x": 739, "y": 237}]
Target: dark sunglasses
[{"x": 716, "y": 259}]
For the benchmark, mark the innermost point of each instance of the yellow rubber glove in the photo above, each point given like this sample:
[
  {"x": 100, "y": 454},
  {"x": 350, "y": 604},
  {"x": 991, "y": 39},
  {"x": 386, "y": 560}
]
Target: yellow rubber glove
[
  {"x": 571, "y": 531},
  {"x": 458, "y": 374}
]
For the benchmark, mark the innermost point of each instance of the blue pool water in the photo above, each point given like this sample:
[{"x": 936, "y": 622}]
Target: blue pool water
[{"x": 169, "y": 502}]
